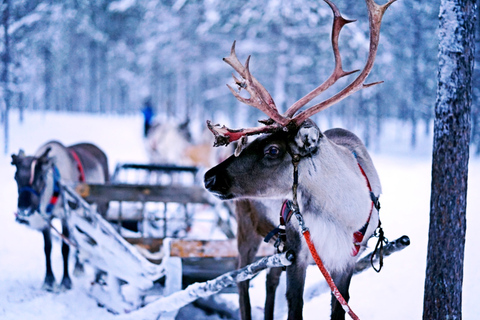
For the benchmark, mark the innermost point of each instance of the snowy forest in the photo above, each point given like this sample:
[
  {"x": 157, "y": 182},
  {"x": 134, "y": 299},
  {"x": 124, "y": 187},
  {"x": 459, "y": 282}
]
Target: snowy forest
[
  {"x": 107, "y": 56},
  {"x": 83, "y": 70}
]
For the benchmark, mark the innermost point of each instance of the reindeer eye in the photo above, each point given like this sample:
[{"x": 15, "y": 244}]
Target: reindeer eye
[{"x": 272, "y": 151}]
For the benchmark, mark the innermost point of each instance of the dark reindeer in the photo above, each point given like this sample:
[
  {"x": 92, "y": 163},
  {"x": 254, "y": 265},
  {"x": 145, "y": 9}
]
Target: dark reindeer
[
  {"x": 337, "y": 188},
  {"x": 40, "y": 197}
]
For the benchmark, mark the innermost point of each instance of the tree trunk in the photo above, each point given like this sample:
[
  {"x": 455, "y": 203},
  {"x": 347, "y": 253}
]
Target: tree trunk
[
  {"x": 416, "y": 106},
  {"x": 103, "y": 81},
  {"x": 48, "y": 75},
  {"x": 5, "y": 72},
  {"x": 476, "y": 93},
  {"x": 446, "y": 239},
  {"x": 92, "y": 99}
]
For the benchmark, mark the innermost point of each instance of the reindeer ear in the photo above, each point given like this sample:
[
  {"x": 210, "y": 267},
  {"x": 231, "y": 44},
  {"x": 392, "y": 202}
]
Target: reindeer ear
[
  {"x": 14, "y": 159},
  {"x": 307, "y": 139},
  {"x": 44, "y": 155},
  {"x": 241, "y": 144}
]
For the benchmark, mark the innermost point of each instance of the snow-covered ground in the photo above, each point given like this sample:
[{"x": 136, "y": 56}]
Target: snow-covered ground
[{"x": 395, "y": 293}]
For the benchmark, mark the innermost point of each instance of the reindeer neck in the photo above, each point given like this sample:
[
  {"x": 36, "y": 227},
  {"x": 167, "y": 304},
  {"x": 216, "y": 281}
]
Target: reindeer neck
[{"x": 329, "y": 178}]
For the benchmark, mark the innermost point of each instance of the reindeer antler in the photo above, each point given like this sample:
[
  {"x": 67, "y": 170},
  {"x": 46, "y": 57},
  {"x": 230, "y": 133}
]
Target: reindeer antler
[
  {"x": 259, "y": 96},
  {"x": 262, "y": 100}
]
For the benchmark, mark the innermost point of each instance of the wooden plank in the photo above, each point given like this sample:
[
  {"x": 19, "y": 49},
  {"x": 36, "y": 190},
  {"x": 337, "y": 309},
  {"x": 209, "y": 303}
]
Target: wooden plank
[
  {"x": 201, "y": 260},
  {"x": 152, "y": 167},
  {"x": 157, "y": 167},
  {"x": 143, "y": 193},
  {"x": 204, "y": 249},
  {"x": 204, "y": 269},
  {"x": 185, "y": 248}
]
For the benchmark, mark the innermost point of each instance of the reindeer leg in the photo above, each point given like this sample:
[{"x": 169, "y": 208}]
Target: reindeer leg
[
  {"x": 295, "y": 286},
  {"x": 49, "y": 282},
  {"x": 273, "y": 278},
  {"x": 296, "y": 274},
  {"x": 66, "y": 281},
  {"x": 248, "y": 243},
  {"x": 342, "y": 281},
  {"x": 247, "y": 249}
]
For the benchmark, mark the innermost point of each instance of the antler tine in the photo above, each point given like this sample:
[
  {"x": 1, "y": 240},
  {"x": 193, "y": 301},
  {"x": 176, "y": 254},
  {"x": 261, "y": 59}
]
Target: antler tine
[
  {"x": 259, "y": 96},
  {"x": 338, "y": 72},
  {"x": 375, "y": 15},
  {"x": 224, "y": 135}
]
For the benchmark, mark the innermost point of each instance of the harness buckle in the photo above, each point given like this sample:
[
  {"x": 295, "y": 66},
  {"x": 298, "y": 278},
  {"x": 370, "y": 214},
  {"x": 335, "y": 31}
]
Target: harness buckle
[
  {"x": 279, "y": 245},
  {"x": 301, "y": 222}
]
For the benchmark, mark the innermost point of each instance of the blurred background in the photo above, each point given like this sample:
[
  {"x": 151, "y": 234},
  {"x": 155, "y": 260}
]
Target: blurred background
[{"x": 104, "y": 56}]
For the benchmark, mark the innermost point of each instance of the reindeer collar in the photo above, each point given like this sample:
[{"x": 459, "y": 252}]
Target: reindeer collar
[{"x": 56, "y": 191}]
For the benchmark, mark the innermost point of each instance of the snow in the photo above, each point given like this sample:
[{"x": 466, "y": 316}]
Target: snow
[
  {"x": 395, "y": 293},
  {"x": 121, "y": 6}
]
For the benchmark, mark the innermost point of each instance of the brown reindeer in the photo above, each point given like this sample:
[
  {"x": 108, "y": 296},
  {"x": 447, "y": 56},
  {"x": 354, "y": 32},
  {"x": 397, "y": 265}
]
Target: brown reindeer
[{"x": 337, "y": 187}]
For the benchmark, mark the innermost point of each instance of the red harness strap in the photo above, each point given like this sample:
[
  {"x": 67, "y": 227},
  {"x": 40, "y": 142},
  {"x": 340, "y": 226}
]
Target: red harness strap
[
  {"x": 327, "y": 276},
  {"x": 360, "y": 234},
  {"x": 81, "y": 177}
]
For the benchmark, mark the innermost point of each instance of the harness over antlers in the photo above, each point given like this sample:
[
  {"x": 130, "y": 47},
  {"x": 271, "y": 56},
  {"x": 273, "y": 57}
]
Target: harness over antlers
[{"x": 262, "y": 100}]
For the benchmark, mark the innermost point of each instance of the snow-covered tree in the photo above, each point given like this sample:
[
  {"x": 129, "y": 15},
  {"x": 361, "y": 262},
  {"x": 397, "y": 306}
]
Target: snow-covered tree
[{"x": 446, "y": 239}]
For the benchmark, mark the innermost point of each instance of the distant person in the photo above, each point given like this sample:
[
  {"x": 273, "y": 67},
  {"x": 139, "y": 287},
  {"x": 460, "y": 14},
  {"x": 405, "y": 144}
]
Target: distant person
[{"x": 148, "y": 115}]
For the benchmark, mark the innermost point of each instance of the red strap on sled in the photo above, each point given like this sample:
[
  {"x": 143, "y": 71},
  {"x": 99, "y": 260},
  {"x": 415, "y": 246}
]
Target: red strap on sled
[{"x": 81, "y": 178}]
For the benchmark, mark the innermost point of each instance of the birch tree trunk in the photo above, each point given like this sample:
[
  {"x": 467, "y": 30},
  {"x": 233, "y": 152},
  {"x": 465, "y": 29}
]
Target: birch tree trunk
[{"x": 446, "y": 239}]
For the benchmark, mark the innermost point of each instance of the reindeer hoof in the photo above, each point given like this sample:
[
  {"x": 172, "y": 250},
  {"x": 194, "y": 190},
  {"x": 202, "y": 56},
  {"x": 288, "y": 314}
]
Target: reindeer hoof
[
  {"x": 66, "y": 284},
  {"x": 49, "y": 284},
  {"x": 79, "y": 270}
]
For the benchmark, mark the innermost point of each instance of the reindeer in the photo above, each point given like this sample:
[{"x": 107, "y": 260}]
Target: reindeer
[
  {"x": 172, "y": 143},
  {"x": 40, "y": 197},
  {"x": 328, "y": 176}
]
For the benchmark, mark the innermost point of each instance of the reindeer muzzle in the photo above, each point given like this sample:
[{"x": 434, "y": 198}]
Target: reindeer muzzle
[{"x": 218, "y": 183}]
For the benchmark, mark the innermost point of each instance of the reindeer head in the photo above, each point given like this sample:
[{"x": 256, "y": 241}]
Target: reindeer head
[
  {"x": 30, "y": 177},
  {"x": 264, "y": 168}
]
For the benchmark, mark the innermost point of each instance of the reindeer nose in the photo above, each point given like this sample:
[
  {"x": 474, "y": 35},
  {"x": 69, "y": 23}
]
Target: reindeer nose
[
  {"x": 218, "y": 182},
  {"x": 209, "y": 181}
]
